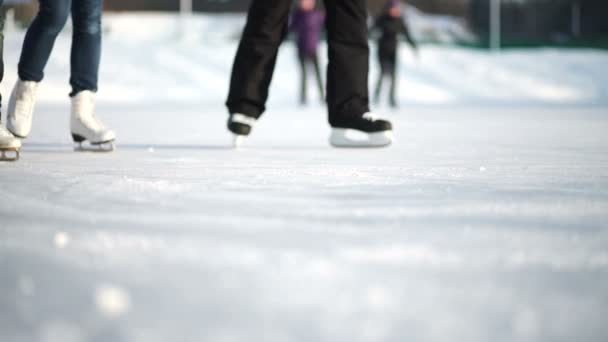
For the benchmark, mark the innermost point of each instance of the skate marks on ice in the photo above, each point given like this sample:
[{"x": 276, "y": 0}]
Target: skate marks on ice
[
  {"x": 321, "y": 251},
  {"x": 344, "y": 283},
  {"x": 416, "y": 242}
]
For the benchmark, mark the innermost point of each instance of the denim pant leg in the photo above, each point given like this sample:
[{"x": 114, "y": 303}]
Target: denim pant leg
[
  {"x": 86, "y": 45},
  {"x": 40, "y": 38}
]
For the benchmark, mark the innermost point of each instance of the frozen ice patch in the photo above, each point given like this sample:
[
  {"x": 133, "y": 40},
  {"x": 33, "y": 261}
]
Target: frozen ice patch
[
  {"x": 61, "y": 331},
  {"x": 26, "y": 285},
  {"x": 139, "y": 185}
]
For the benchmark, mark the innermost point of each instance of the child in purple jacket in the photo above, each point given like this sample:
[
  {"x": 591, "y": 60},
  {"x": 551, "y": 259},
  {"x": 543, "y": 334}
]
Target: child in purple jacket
[{"x": 307, "y": 22}]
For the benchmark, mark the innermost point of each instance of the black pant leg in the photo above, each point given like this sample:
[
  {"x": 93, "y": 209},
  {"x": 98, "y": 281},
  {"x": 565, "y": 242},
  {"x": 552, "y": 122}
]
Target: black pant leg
[
  {"x": 381, "y": 75},
  {"x": 392, "y": 72},
  {"x": 256, "y": 56},
  {"x": 303, "y": 80},
  {"x": 348, "y": 69},
  {"x": 320, "y": 85},
  {"x": 2, "y": 15}
]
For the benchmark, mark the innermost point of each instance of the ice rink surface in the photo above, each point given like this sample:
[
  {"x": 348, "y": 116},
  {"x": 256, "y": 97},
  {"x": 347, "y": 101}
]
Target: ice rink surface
[{"x": 484, "y": 221}]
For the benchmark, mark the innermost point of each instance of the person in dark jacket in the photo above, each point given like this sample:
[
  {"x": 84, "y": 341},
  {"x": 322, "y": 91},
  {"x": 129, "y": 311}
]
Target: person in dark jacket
[
  {"x": 307, "y": 22},
  {"x": 347, "y": 72},
  {"x": 391, "y": 25}
]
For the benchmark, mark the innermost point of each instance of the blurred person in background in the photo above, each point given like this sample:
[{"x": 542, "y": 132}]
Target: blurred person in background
[
  {"x": 84, "y": 62},
  {"x": 307, "y": 22},
  {"x": 391, "y": 25},
  {"x": 8, "y": 142},
  {"x": 347, "y": 74}
]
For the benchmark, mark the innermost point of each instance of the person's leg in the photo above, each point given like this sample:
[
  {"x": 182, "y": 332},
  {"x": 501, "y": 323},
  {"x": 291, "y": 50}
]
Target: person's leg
[
  {"x": 35, "y": 53},
  {"x": 303, "y": 82},
  {"x": 86, "y": 45},
  {"x": 320, "y": 85},
  {"x": 380, "y": 81},
  {"x": 347, "y": 73},
  {"x": 392, "y": 72},
  {"x": 256, "y": 56},
  {"x": 9, "y": 145},
  {"x": 347, "y": 77},
  {"x": 85, "y": 58},
  {"x": 2, "y": 15},
  {"x": 40, "y": 38}
]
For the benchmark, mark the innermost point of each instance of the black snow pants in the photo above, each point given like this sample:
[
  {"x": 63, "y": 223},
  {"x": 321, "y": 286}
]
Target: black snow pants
[
  {"x": 387, "y": 58},
  {"x": 347, "y": 72},
  {"x": 305, "y": 62}
]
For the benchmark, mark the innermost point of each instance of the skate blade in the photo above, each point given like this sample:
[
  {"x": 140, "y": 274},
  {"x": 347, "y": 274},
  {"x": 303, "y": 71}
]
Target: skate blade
[
  {"x": 9, "y": 154},
  {"x": 238, "y": 141},
  {"x": 103, "y": 147},
  {"x": 350, "y": 138}
]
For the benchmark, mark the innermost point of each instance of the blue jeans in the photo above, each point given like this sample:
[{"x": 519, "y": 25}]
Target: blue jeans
[{"x": 86, "y": 41}]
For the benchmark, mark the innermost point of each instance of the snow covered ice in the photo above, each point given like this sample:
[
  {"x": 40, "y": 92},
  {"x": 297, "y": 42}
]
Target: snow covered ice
[{"x": 486, "y": 221}]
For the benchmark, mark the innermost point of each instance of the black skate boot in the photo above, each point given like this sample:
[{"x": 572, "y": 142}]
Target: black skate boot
[
  {"x": 240, "y": 125},
  {"x": 363, "y": 131}
]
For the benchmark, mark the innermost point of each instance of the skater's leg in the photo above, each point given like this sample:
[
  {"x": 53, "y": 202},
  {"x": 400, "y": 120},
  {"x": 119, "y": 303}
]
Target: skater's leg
[
  {"x": 347, "y": 77},
  {"x": 2, "y": 16},
  {"x": 347, "y": 73},
  {"x": 303, "y": 79},
  {"x": 320, "y": 85},
  {"x": 85, "y": 58},
  {"x": 256, "y": 56},
  {"x": 40, "y": 38},
  {"x": 393, "y": 79},
  {"x": 9, "y": 145},
  {"x": 378, "y": 90},
  {"x": 86, "y": 45}
]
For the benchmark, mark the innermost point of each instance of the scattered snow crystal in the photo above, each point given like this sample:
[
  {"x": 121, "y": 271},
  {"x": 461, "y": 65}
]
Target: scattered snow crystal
[
  {"x": 112, "y": 301},
  {"x": 61, "y": 240}
]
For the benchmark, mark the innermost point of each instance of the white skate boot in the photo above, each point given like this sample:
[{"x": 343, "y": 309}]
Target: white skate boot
[
  {"x": 361, "y": 131},
  {"x": 240, "y": 125},
  {"x": 85, "y": 126},
  {"x": 21, "y": 108},
  {"x": 9, "y": 145}
]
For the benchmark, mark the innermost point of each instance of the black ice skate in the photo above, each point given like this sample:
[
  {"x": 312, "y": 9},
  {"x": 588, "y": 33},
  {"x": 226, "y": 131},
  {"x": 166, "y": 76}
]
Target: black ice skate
[
  {"x": 240, "y": 125},
  {"x": 363, "y": 131}
]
